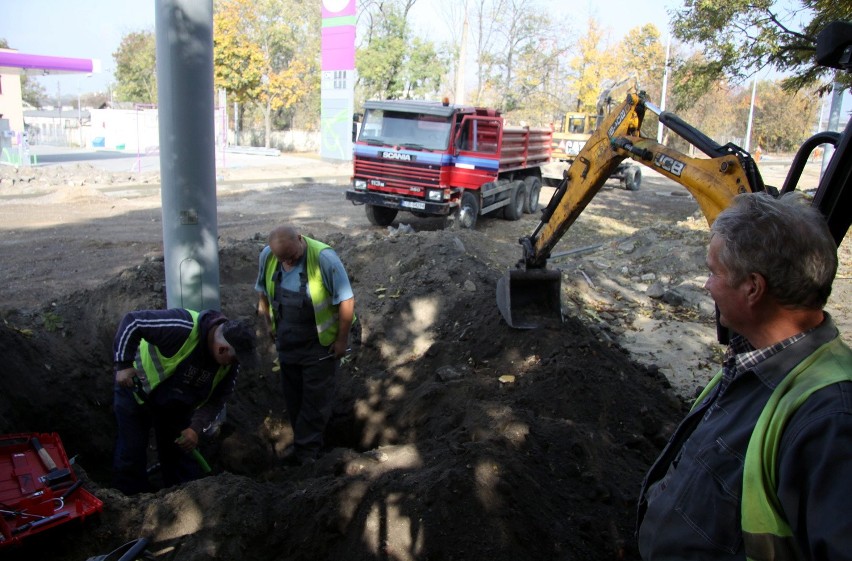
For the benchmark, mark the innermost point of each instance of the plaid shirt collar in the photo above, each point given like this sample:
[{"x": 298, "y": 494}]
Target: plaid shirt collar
[{"x": 741, "y": 356}]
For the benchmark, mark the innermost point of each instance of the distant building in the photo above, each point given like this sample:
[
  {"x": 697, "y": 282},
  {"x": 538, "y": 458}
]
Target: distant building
[
  {"x": 63, "y": 126},
  {"x": 11, "y": 107}
]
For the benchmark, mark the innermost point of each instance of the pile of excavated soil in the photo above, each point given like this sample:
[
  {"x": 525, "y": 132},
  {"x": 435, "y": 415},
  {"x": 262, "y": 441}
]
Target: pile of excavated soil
[{"x": 453, "y": 437}]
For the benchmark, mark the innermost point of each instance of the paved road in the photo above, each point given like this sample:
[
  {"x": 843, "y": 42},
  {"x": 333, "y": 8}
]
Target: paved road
[{"x": 281, "y": 166}]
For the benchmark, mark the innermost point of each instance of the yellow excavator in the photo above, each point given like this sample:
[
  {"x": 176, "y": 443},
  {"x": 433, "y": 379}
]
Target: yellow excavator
[{"x": 529, "y": 296}]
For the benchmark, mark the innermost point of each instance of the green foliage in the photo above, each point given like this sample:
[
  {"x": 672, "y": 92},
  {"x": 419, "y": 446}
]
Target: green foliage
[
  {"x": 266, "y": 54},
  {"x": 237, "y": 61},
  {"x": 136, "y": 68},
  {"x": 740, "y": 37},
  {"x": 424, "y": 70},
  {"x": 643, "y": 56},
  {"x": 782, "y": 120},
  {"x": 32, "y": 92},
  {"x": 52, "y": 322},
  {"x": 381, "y": 61}
]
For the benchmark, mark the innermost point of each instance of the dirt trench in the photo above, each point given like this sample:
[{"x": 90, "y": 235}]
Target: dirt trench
[{"x": 430, "y": 455}]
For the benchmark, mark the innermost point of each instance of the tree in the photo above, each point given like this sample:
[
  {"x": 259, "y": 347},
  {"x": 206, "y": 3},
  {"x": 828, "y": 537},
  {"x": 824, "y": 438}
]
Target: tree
[
  {"x": 136, "y": 67},
  {"x": 32, "y": 92},
  {"x": 424, "y": 69},
  {"x": 384, "y": 59},
  {"x": 237, "y": 61},
  {"x": 279, "y": 46},
  {"x": 738, "y": 38},
  {"x": 523, "y": 28},
  {"x": 782, "y": 120},
  {"x": 592, "y": 67},
  {"x": 642, "y": 56}
]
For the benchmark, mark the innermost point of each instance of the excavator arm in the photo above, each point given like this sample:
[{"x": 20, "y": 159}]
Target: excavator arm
[
  {"x": 529, "y": 296},
  {"x": 530, "y": 293},
  {"x": 713, "y": 181}
]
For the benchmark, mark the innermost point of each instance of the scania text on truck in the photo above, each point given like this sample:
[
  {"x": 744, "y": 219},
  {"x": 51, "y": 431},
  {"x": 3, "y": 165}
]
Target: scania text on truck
[{"x": 437, "y": 159}]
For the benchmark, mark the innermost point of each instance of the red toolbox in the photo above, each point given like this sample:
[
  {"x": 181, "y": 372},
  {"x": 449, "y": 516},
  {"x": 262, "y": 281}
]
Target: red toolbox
[{"x": 38, "y": 488}]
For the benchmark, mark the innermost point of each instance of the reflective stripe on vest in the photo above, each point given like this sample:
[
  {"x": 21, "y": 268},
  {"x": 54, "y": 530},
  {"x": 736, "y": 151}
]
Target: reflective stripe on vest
[
  {"x": 158, "y": 368},
  {"x": 325, "y": 312},
  {"x": 766, "y": 534}
]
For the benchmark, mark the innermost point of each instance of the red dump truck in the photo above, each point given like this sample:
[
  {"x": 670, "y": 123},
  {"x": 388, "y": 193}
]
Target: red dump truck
[{"x": 437, "y": 159}]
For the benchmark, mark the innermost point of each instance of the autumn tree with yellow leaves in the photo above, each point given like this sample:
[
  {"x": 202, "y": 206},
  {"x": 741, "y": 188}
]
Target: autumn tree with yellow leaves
[{"x": 266, "y": 53}]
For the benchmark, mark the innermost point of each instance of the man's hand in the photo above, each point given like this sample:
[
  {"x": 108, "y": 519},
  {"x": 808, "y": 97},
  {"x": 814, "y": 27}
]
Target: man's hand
[
  {"x": 338, "y": 349},
  {"x": 188, "y": 440},
  {"x": 124, "y": 378}
]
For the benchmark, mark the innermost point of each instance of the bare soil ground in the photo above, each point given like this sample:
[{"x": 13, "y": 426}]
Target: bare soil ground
[{"x": 453, "y": 437}]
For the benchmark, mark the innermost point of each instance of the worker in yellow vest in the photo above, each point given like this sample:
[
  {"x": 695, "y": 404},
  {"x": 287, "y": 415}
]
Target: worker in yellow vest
[
  {"x": 305, "y": 294},
  {"x": 760, "y": 468},
  {"x": 174, "y": 371}
]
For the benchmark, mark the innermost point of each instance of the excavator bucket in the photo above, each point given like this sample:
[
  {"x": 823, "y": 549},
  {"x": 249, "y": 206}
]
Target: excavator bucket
[{"x": 530, "y": 299}]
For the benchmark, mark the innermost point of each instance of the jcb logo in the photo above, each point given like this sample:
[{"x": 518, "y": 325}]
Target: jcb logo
[{"x": 669, "y": 164}]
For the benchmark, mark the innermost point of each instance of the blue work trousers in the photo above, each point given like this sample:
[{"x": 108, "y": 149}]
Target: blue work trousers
[{"x": 130, "y": 461}]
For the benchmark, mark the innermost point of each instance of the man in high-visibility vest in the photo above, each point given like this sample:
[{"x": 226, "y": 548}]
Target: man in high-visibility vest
[
  {"x": 174, "y": 371},
  {"x": 307, "y": 299},
  {"x": 761, "y": 468}
]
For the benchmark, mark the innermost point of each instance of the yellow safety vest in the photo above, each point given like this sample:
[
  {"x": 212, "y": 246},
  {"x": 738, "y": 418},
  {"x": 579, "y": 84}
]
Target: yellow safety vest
[{"x": 325, "y": 313}]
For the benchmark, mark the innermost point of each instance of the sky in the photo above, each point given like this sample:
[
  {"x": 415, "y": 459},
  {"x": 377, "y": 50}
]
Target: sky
[{"x": 94, "y": 28}]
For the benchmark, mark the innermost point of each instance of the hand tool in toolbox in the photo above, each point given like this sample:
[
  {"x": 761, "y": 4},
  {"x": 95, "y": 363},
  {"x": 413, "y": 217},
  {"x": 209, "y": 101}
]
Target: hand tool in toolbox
[
  {"x": 54, "y": 475},
  {"x": 38, "y": 488}
]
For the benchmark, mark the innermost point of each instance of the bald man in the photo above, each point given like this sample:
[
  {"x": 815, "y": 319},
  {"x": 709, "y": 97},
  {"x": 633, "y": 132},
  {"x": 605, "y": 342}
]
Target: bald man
[{"x": 307, "y": 299}]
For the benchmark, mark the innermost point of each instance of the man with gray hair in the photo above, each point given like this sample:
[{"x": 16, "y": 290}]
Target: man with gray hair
[{"x": 761, "y": 467}]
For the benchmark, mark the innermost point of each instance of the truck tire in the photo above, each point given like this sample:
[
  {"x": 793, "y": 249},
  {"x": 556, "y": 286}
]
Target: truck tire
[
  {"x": 632, "y": 178},
  {"x": 517, "y": 201},
  {"x": 468, "y": 210},
  {"x": 379, "y": 215},
  {"x": 533, "y": 194}
]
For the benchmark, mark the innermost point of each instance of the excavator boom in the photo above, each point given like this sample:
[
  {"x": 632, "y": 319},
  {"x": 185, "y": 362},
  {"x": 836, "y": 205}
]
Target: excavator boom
[{"x": 528, "y": 296}]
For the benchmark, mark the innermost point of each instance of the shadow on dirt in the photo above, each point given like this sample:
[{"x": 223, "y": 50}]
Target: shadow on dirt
[{"x": 453, "y": 436}]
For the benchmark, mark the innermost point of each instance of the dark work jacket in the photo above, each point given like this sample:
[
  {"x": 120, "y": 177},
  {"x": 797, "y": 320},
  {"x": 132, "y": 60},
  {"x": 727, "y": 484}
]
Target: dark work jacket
[
  {"x": 697, "y": 515},
  {"x": 191, "y": 383}
]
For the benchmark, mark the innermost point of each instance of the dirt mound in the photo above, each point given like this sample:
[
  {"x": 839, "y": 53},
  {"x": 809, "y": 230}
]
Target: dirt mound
[{"x": 453, "y": 437}]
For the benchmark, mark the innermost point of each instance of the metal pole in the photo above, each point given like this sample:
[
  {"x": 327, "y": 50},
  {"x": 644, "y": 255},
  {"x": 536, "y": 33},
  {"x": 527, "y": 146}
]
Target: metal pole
[
  {"x": 79, "y": 115},
  {"x": 663, "y": 96},
  {"x": 750, "y": 115},
  {"x": 833, "y": 122},
  {"x": 459, "y": 97},
  {"x": 188, "y": 152}
]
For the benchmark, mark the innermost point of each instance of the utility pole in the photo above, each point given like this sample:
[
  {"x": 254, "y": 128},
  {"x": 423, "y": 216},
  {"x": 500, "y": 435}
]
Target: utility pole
[
  {"x": 833, "y": 122},
  {"x": 459, "y": 97},
  {"x": 663, "y": 96},
  {"x": 750, "y": 114},
  {"x": 60, "y": 129}
]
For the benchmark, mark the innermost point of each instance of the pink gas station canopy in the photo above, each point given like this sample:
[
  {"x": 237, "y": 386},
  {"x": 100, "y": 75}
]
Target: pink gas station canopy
[{"x": 43, "y": 64}]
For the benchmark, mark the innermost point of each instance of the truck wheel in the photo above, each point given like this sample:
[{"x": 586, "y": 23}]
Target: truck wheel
[
  {"x": 468, "y": 210},
  {"x": 517, "y": 201},
  {"x": 632, "y": 178},
  {"x": 380, "y": 215},
  {"x": 533, "y": 194}
]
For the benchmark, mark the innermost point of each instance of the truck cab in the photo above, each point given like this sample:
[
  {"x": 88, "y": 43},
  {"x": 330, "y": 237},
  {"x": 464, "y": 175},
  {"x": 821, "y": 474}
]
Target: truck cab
[{"x": 436, "y": 159}]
